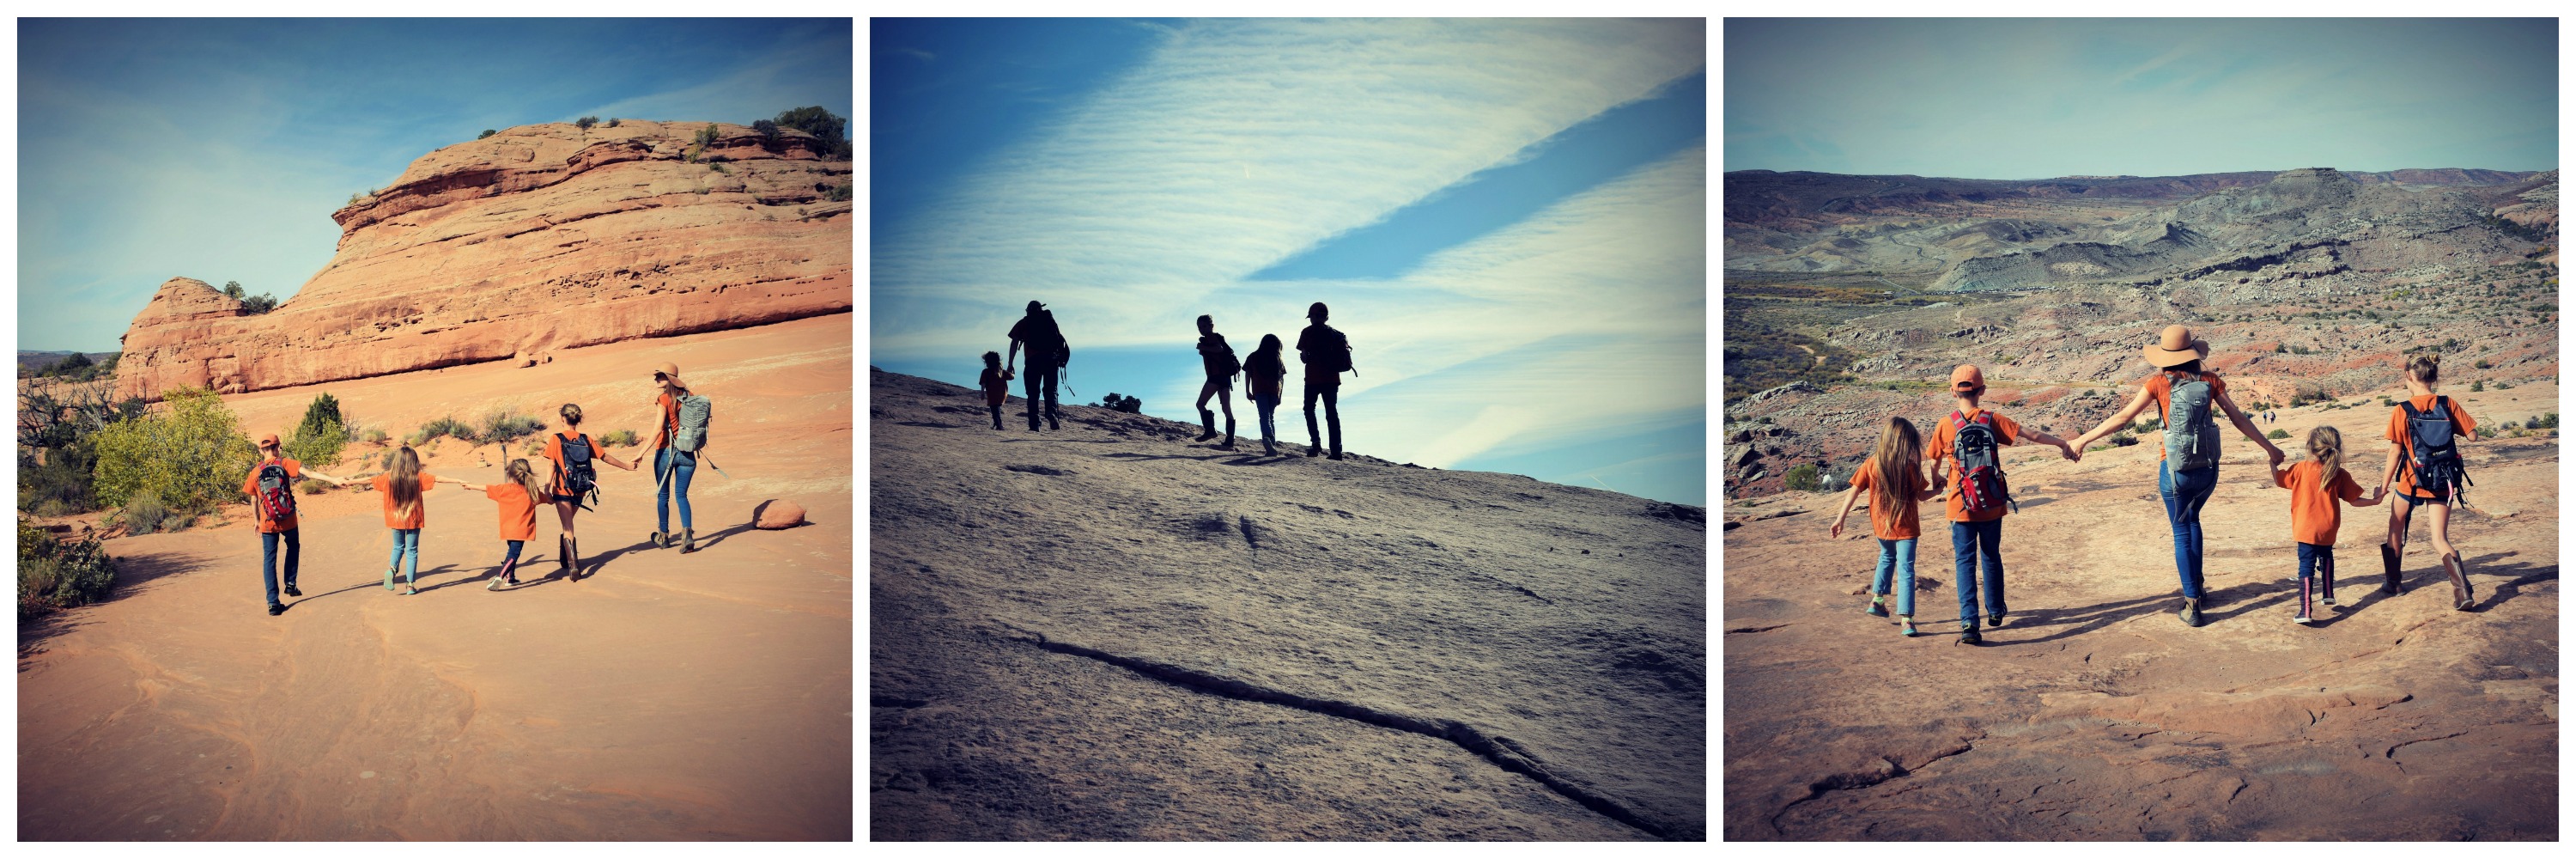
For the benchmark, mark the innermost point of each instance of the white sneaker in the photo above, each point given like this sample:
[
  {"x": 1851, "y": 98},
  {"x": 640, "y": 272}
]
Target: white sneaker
[{"x": 2299, "y": 619}]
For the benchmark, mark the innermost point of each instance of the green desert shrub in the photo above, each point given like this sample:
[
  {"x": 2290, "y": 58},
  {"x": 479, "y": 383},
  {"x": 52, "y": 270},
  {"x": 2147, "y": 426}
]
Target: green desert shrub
[
  {"x": 2278, "y": 433},
  {"x": 612, "y": 122},
  {"x": 486, "y": 133},
  {"x": 190, "y": 453},
  {"x": 621, "y": 438},
  {"x": 1802, "y": 477},
  {"x": 503, "y": 425},
  {"x": 448, "y": 427},
  {"x": 53, "y": 574},
  {"x": 2477, "y": 386},
  {"x": 839, "y": 194},
  {"x": 1114, "y": 402},
  {"x": 310, "y": 486},
  {"x": 586, "y": 122},
  {"x": 144, "y": 513},
  {"x": 824, "y": 124},
  {"x": 319, "y": 438},
  {"x": 376, "y": 435},
  {"x": 2121, "y": 439}
]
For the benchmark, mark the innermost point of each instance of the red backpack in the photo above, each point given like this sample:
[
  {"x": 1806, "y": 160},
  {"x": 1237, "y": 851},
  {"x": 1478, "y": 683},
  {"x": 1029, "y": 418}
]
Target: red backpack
[
  {"x": 276, "y": 493},
  {"x": 1981, "y": 473}
]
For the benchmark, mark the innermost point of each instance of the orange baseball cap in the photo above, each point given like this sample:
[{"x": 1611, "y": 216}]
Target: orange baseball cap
[
  {"x": 269, "y": 440},
  {"x": 1966, "y": 377}
]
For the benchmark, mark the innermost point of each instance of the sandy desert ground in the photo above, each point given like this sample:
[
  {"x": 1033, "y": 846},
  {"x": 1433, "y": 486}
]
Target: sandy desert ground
[
  {"x": 2096, "y": 714},
  {"x": 662, "y": 696},
  {"x": 1114, "y": 632}
]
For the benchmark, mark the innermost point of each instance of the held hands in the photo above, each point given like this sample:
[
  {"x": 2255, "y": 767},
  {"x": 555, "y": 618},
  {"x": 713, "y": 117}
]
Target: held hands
[
  {"x": 2276, "y": 455},
  {"x": 2074, "y": 452}
]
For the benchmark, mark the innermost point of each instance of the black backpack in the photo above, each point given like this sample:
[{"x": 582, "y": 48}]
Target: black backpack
[
  {"x": 578, "y": 475},
  {"x": 1226, "y": 364},
  {"x": 1335, "y": 348},
  {"x": 2434, "y": 460},
  {"x": 276, "y": 495},
  {"x": 1051, "y": 338},
  {"x": 1981, "y": 473}
]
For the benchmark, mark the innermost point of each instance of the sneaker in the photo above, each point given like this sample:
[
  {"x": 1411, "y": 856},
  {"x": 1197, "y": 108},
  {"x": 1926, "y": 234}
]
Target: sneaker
[
  {"x": 1906, "y": 628},
  {"x": 2330, "y": 599},
  {"x": 495, "y": 585},
  {"x": 409, "y": 590},
  {"x": 1971, "y": 636},
  {"x": 275, "y": 609},
  {"x": 1877, "y": 609},
  {"x": 2300, "y": 618},
  {"x": 389, "y": 579},
  {"x": 291, "y": 591},
  {"x": 1997, "y": 620}
]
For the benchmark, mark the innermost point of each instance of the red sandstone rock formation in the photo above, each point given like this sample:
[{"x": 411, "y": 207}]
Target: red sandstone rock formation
[{"x": 537, "y": 238}]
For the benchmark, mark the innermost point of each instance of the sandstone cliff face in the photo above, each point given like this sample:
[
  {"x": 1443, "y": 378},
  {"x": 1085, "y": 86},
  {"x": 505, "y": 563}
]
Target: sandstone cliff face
[{"x": 537, "y": 238}]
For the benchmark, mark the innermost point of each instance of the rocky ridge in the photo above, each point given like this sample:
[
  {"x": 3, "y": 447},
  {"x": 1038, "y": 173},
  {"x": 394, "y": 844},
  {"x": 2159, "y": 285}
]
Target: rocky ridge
[{"x": 537, "y": 238}]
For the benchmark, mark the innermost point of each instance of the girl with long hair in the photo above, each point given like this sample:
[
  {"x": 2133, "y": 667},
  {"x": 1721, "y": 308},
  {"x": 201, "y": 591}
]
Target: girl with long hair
[
  {"x": 2316, "y": 486},
  {"x": 1265, "y": 370},
  {"x": 518, "y": 499},
  {"x": 405, "y": 513},
  {"x": 1893, "y": 477}
]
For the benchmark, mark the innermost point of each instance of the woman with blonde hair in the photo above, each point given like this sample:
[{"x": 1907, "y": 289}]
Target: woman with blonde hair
[
  {"x": 573, "y": 479},
  {"x": 2425, "y": 466}
]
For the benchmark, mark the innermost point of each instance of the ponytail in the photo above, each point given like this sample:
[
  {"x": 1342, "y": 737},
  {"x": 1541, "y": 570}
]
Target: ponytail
[{"x": 2326, "y": 445}]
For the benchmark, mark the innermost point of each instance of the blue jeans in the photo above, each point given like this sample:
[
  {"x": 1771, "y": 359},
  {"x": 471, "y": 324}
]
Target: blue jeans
[
  {"x": 2320, "y": 560},
  {"x": 678, "y": 476},
  {"x": 406, "y": 548},
  {"x": 268, "y": 560},
  {"x": 510, "y": 562},
  {"x": 1966, "y": 538},
  {"x": 1269, "y": 405},
  {"x": 1896, "y": 556},
  {"x": 2185, "y": 492}
]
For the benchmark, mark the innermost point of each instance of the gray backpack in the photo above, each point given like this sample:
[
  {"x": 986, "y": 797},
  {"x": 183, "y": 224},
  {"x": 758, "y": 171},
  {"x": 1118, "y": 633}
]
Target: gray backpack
[
  {"x": 2191, "y": 435},
  {"x": 695, "y": 411}
]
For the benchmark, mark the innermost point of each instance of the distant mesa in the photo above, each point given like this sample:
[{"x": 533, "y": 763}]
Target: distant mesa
[{"x": 532, "y": 239}]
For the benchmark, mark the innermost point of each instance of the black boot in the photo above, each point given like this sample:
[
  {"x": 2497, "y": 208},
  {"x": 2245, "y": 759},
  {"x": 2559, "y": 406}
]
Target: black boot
[
  {"x": 572, "y": 557},
  {"x": 1229, "y": 433},
  {"x": 688, "y": 540},
  {"x": 1207, "y": 425},
  {"x": 2462, "y": 597},
  {"x": 2388, "y": 560},
  {"x": 563, "y": 552}
]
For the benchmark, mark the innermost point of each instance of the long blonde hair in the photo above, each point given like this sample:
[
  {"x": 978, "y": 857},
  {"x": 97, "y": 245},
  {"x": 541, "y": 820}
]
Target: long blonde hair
[
  {"x": 2326, "y": 445},
  {"x": 402, "y": 484},
  {"x": 1900, "y": 451},
  {"x": 521, "y": 473}
]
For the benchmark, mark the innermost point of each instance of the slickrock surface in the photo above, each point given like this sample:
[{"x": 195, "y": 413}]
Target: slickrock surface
[
  {"x": 1114, "y": 632},
  {"x": 2094, "y": 713},
  {"x": 661, "y": 697},
  {"x": 537, "y": 239}
]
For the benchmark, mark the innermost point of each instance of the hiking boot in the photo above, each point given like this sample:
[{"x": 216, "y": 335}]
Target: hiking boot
[
  {"x": 1877, "y": 608},
  {"x": 1995, "y": 621},
  {"x": 572, "y": 558},
  {"x": 1335, "y": 455},
  {"x": 1229, "y": 433},
  {"x": 659, "y": 539},
  {"x": 2190, "y": 612},
  {"x": 1969, "y": 635},
  {"x": 1311, "y": 452},
  {"x": 291, "y": 591},
  {"x": 2462, "y": 596},
  {"x": 1207, "y": 425},
  {"x": 2388, "y": 561},
  {"x": 275, "y": 609},
  {"x": 1268, "y": 449},
  {"x": 688, "y": 541},
  {"x": 563, "y": 552}
]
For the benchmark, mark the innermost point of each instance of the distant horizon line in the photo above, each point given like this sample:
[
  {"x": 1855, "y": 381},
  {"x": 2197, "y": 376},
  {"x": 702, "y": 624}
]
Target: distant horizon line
[{"x": 2131, "y": 175}]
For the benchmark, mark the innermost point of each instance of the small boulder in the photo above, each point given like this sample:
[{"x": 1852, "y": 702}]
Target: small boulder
[{"x": 774, "y": 515}]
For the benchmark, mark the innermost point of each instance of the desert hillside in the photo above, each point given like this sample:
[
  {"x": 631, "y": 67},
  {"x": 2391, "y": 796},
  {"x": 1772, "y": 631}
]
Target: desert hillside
[
  {"x": 535, "y": 239},
  {"x": 2094, "y": 713},
  {"x": 1113, "y": 632},
  {"x": 661, "y": 697}
]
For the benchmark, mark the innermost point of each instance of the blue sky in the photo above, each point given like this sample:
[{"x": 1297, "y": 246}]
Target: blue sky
[
  {"x": 2026, "y": 99},
  {"x": 1507, "y": 217},
  {"x": 217, "y": 149}
]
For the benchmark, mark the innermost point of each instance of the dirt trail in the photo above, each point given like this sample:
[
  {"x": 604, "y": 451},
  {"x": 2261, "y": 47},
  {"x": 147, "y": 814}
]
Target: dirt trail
[
  {"x": 2096, "y": 714},
  {"x": 663, "y": 697},
  {"x": 1112, "y": 632}
]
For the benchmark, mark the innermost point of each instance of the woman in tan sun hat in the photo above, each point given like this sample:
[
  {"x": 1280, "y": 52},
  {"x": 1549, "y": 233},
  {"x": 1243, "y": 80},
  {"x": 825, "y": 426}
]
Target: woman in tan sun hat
[
  {"x": 2186, "y": 398},
  {"x": 672, "y": 467}
]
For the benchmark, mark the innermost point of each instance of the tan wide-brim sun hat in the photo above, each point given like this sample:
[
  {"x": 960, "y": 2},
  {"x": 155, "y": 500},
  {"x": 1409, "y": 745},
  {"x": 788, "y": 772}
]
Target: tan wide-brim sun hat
[
  {"x": 2176, "y": 346},
  {"x": 672, "y": 372}
]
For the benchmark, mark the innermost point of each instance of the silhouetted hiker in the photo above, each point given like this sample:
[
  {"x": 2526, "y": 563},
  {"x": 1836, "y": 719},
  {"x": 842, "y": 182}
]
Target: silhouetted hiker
[
  {"x": 1047, "y": 354},
  {"x": 574, "y": 479},
  {"x": 996, "y": 384},
  {"x": 271, "y": 487},
  {"x": 1327, "y": 355},
  {"x": 1265, "y": 370},
  {"x": 2425, "y": 465},
  {"x": 2187, "y": 398},
  {"x": 1221, "y": 366}
]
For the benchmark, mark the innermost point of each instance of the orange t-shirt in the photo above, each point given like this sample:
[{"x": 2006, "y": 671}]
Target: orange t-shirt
[
  {"x": 664, "y": 434},
  {"x": 2461, "y": 425},
  {"x": 419, "y": 512},
  {"x": 2160, "y": 388},
  {"x": 555, "y": 454},
  {"x": 518, "y": 510},
  {"x": 250, "y": 487},
  {"x": 1891, "y": 507},
  {"x": 2314, "y": 515},
  {"x": 1939, "y": 448}
]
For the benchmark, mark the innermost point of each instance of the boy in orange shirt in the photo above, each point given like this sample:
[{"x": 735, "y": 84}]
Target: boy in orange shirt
[
  {"x": 1978, "y": 495},
  {"x": 1893, "y": 477},
  {"x": 274, "y": 508},
  {"x": 2314, "y": 487}
]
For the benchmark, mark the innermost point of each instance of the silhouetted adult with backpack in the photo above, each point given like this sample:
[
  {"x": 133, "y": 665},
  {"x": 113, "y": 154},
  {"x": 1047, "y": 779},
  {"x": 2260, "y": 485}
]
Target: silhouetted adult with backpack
[
  {"x": 271, "y": 487},
  {"x": 2188, "y": 399},
  {"x": 1218, "y": 358},
  {"x": 1327, "y": 355},
  {"x": 1047, "y": 356}
]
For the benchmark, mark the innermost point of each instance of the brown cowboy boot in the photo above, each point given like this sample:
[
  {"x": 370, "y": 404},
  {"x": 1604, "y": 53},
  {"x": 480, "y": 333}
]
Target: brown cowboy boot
[
  {"x": 2388, "y": 560},
  {"x": 2462, "y": 597}
]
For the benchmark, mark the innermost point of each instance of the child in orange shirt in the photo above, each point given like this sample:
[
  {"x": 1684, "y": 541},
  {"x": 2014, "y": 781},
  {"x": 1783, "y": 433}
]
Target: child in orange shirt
[
  {"x": 1893, "y": 477},
  {"x": 518, "y": 500},
  {"x": 1974, "y": 437},
  {"x": 2315, "y": 487},
  {"x": 2425, "y": 465},
  {"x": 405, "y": 512}
]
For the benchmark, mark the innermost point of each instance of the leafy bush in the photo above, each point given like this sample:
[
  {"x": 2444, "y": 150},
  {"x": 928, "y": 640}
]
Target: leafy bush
[
  {"x": 612, "y": 122},
  {"x": 190, "y": 453},
  {"x": 2121, "y": 439},
  {"x": 621, "y": 438},
  {"x": 2483, "y": 364},
  {"x": 502, "y": 426},
  {"x": 376, "y": 435},
  {"x": 2477, "y": 386},
  {"x": 839, "y": 194},
  {"x": 446, "y": 426},
  {"x": 2504, "y": 386},
  {"x": 310, "y": 486},
  {"x": 706, "y": 137},
  {"x": 486, "y": 133},
  {"x": 258, "y": 304},
  {"x": 824, "y": 124},
  {"x": 1803, "y": 477},
  {"x": 768, "y": 134},
  {"x": 586, "y": 122},
  {"x": 2278, "y": 433},
  {"x": 2549, "y": 421},
  {"x": 319, "y": 438},
  {"x": 144, "y": 512},
  {"x": 54, "y": 575},
  {"x": 1114, "y": 402}
]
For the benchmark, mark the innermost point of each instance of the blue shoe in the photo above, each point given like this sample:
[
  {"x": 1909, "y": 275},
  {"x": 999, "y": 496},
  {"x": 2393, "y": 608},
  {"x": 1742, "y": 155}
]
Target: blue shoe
[
  {"x": 1877, "y": 609},
  {"x": 1906, "y": 628}
]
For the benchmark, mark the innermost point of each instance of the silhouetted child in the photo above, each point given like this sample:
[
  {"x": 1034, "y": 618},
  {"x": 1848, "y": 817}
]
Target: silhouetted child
[
  {"x": 1264, "y": 372},
  {"x": 2316, "y": 486},
  {"x": 518, "y": 500},
  {"x": 1893, "y": 477},
  {"x": 1970, "y": 442},
  {"x": 996, "y": 384},
  {"x": 2425, "y": 465}
]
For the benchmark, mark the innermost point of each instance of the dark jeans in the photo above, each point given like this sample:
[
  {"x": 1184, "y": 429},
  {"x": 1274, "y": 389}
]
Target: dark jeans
[
  {"x": 2184, "y": 493},
  {"x": 996, "y": 409},
  {"x": 677, "y": 477},
  {"x": 510, "y": 562},
  {"x": 1332, "y": 395},
  {"x": 1269, "y": 405},
  {"x": 2316, "y": 559},
  {"x": 268, "y": 560},
  {"x": 1896, "y": 556},
  {"x": 1032, "y": 377},
  {"x": 1966, "y": 539}
]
